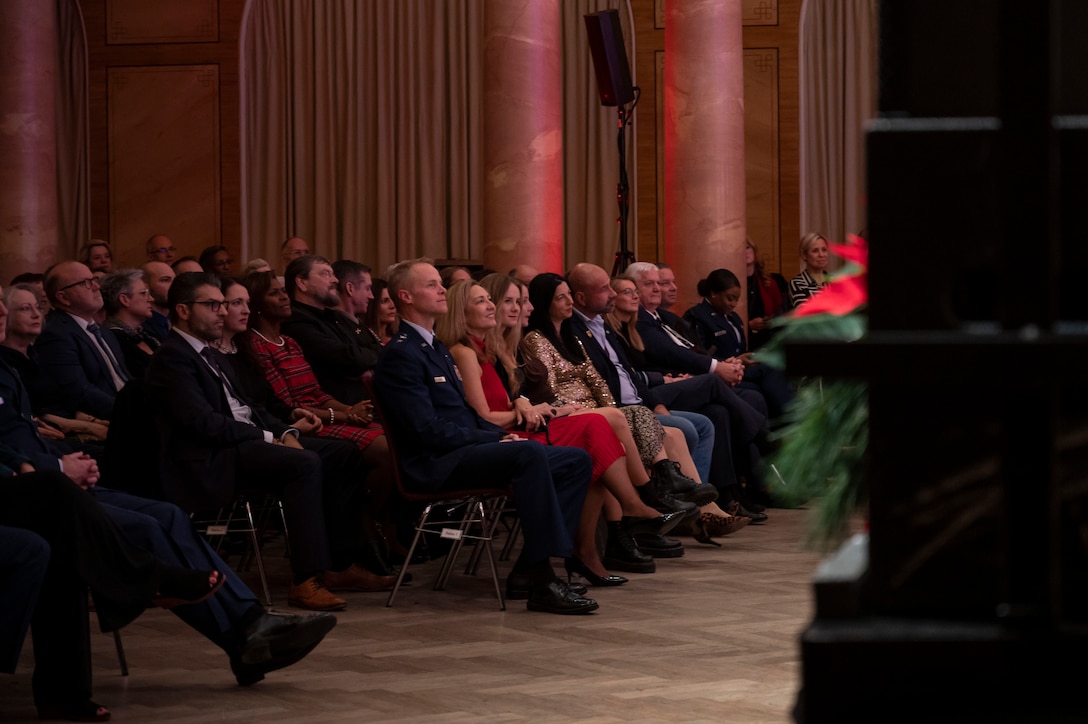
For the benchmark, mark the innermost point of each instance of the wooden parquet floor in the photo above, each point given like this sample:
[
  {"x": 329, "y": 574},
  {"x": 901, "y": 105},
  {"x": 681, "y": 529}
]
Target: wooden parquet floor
[{"x": 710, "y": 637}]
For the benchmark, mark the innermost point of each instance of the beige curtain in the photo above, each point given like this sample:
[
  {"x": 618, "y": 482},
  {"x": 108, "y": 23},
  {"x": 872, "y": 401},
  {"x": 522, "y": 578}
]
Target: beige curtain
[
  {"x": 362, "y": 130},
  {"x": 72, "y": 129},
  {"x": 838, "y": 67}
]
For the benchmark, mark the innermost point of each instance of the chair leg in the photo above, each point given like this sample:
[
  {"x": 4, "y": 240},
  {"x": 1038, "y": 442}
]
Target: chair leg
[
  {"x": 464, "y": 526},
  {"x": 411, "y": 551},
  {"x": 512, "y": 538},
  {"x": 494, "y": 510},
  {"x": 256, "y": 548},
  {"x": 121, "y": 659}
]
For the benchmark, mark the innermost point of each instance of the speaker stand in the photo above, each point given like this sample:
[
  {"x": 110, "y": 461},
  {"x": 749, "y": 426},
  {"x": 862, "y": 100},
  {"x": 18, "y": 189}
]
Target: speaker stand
[{"x": 624, "y": 257}]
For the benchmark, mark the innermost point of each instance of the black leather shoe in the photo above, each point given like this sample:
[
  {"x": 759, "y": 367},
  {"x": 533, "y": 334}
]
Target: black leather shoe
[
  {"x": 275, "y": 641},
  {"x": 574, "y": 565},
  {"x": 556, "y": 597},
  {"x": 274, "y": 633},
  {"x": 658, "y": 546},
  {"x": 735, "y": 508},
  {"x": 519, "y": 586},
  {"x": 621, "y": 553},
  {"x": 660, "y": 525}
]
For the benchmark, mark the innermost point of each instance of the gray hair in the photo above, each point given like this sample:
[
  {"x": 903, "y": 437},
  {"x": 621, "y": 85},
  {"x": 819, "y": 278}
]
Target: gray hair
[
  {"x": 637, "y": 270},
  {"x": 115, "y": 284}
]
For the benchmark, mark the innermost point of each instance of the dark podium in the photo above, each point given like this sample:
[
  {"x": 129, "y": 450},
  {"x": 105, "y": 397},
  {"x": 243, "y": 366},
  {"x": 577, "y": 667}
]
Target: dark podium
[{"x": 968, "y": 602}]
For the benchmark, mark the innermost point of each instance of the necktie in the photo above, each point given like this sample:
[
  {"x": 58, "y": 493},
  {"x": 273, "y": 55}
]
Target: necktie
[
  {"x": 117, "y": 370},
  {"x": 243, "y": 412},
  {"x": 209, "y": 356},
  {"x": 674, "y": 335}
]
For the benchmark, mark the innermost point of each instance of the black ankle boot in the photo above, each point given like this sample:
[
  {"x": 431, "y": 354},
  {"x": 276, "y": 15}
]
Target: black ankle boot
[
  {"x": 657, "y": 497},
  {"x": 621, "y": 553},
  {"x": 672, "y": 480}
]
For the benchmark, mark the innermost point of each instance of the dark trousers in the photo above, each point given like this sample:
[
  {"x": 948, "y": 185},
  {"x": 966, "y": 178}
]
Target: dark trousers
[
  {"x": 549, "y": 487},
  {"x": 88, "y": 550},
  {"x": 166, "y": 532},
  {"x": 24, "y": 558}
]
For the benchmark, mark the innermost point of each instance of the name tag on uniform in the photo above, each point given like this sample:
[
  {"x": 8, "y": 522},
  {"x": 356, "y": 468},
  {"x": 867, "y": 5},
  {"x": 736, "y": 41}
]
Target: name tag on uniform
[
  {"x": 720, "y": 332},
  {"x": 439, "y": 379}
]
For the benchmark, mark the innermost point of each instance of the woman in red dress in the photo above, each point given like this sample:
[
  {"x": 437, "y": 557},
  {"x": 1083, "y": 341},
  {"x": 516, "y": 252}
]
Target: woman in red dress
[{"x": 473, "y": 333}]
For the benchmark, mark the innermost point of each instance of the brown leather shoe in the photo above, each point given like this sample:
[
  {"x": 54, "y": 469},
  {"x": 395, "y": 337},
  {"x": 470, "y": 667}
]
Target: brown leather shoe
[
  {"x": 313, "y": 596},
  {"x": 357, "y": 578}
]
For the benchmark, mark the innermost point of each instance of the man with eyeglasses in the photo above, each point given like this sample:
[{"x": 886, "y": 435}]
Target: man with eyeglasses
[
  {"x": 82, "y": 358},
  {"x": 160, "y": 248},
  {"x": 214, "y": 438},
  {"x": 292, "y": 249}
]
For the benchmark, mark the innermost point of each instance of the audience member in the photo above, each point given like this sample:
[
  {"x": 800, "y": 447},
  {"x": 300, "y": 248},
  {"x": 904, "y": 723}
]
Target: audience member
[
  {"x": 355, "y": 294},
  {"x": 381, "y": 314},
  {"x": 160, "y": 249},
  {"x": 84, "y": 360},
  {"x": 256, "y": 265},
  {"x": 186, "y": 264},
  {"x": 445, "y": 444},
  {"x": 35, "y": 280},
  {"x": 669, "y": 290},
  {"x": 815, "y": 256},
  {"x": 768, "y": 296},
  {"x": 128, "y": 308},
  {"x": 158, "y": 276},
  {"x": 292, "y": 249},
  {"x": 217, "y": 260},
  {"x": 524, "y": 273},
  {"x": 97, "y": 257},
  {"x": 451, "y": 274},
  {"x": 338, "y": 355},
  {"x": 720, "y": 330},
  {"x": 212, "y": 436}
]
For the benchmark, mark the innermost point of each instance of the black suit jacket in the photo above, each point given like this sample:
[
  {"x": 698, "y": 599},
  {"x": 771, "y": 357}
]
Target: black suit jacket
[
  {"x": 197, "y": 431},
  {"x": 68, "y": 356},
  {"x": 664, "y": 355},
  {"x": 424, "y": 404},
  {"x": 338, "y": 356},
  {"x": 17, "y": 427}
]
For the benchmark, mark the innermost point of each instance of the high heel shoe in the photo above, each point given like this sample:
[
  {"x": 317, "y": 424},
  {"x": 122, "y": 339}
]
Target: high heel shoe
[
  {"x": 575, "y": 565},
  {"x": 710, "y": 526}
]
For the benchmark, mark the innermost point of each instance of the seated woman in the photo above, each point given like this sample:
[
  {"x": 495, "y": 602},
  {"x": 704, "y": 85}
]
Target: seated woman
[
  {"x": 471, "y": 331},
  {"x": 815, "y": 256},
  {"x": 768, "y": 296},
  {"x": 719, "y": 328},
  {"x": 281, "y": 362},
  {"x": 128, "y": 305},
  {"x": 381, "y": 313},
  {"x": 22, "y": 328}
]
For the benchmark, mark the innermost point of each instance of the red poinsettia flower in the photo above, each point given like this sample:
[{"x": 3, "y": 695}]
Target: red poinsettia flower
[{"x": 848, "y": 291}]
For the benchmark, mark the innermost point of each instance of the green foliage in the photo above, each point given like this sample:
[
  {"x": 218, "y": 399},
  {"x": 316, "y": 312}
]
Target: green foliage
[{"x": 823, "y": 455}]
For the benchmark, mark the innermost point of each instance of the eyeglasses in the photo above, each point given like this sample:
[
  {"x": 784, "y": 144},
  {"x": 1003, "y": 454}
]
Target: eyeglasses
[
  {"x": 213, "y": 304},
  {"x": 141, "y": 293},
  {"x": 628, "y": 292},
  {"x": 89, "y": 283},
  {"x": 26, "y": 308},
  {"x": 164, "y": 249}
]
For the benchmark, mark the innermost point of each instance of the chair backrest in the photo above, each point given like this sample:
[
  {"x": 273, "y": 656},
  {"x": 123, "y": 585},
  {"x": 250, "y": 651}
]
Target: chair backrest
[{"x": 391, "y": 441}]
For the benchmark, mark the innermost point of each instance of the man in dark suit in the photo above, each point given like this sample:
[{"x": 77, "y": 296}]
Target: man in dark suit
[
  {"x": 737, "y": 424},
  {"x": 214, "y": 440},
  {"x": 446, "y": 445},
  {"x": 338, "y": 355},
  {"x": 83, "y": 359},
  {"x": 256, "y": 641}
]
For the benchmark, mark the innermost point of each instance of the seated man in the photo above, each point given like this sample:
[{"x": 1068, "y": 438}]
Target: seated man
[
  {"x": 161, "y": 249},
  {"x": 355, "y": 294},
  {"x": 214, "y": 439},
  {"x": 446, "y": 445},
  {"x": 158, "y": 276},
  {"x": 329, "y": 345},
  {"x": 82, "y": 358},
  {"x": 736, "y": 423},
  {"x": 292, "y": 249},
  {"x": 257, "y": 642}
]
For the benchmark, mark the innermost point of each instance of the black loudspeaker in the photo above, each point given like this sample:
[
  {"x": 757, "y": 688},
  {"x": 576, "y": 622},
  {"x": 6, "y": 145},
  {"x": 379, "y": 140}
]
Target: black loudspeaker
[{"x": 609, "y": 58}]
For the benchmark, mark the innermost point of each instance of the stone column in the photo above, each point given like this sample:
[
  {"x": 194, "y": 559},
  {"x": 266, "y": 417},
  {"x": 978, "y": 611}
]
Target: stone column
[
  {"x": 704, "y": 142},
  {"x": 523, "y": 135},
  {"x": 28, "y": 156}
]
